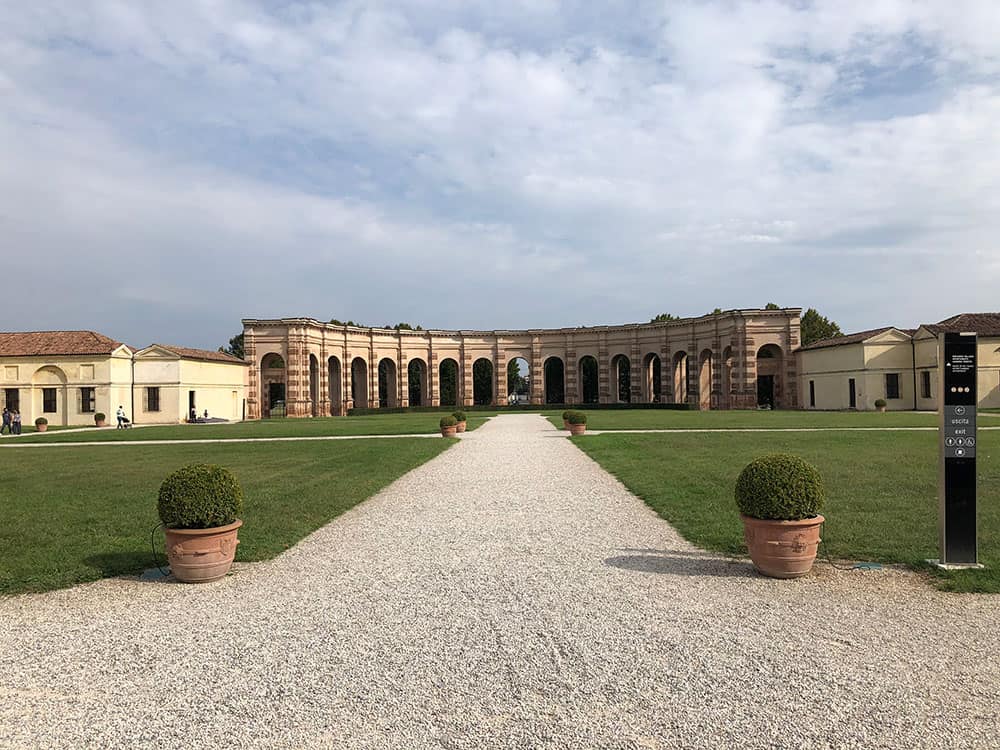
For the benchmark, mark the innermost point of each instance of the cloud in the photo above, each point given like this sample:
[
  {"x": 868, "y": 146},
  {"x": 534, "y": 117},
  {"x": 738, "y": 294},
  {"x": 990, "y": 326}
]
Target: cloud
[{"x": 477, "y": 165}]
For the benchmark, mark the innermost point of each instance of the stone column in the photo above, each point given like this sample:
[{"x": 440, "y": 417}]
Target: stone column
[
  {"x": 402, "y": 378},
  {"x": 347, "y": 378},
  {"x": 466, "y": 390},
  {"x": 297, "y": 376},
  {"x": 433, "y": 379},
  {"x": 500, "y": 375},
  {"x": 323, "y": 380},
  {"x": 715, "y": 397},
  {"x": 666, "y": 375},
  {"x": 372, "y": 373},
  {"x": 571, "y": 372},
  {"x": 537, "y": 395},
  {"x": 693, "y": 374},
  {"x": 636, "y": 373},
  {"x": 253, "y": 384},
  {"x": 603, "y": 380}
]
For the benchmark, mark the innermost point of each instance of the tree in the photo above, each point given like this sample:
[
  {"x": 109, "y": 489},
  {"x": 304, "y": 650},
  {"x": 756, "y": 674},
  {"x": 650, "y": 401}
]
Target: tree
[
  {"x": 235, "y": 346},
  {"x": 815, "y": 327},
  {"x": 334, "y": 321},
  {"x": 771, "y": 306},
  {"x": 716, "y": 311},
  {"x": 664, "y": 318}
]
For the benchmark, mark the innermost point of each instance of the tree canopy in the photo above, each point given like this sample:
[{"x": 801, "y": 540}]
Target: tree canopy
[
  {"x": 664, "y": 318},
  {"x": 814, "y": 327},
  {"x": 235, "y": 346},
  {"x": 772, "y": 306}
]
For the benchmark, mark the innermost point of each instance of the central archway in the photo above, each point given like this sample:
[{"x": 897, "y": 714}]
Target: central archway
[
  {"x": 518, "y": 381},
  {"x": 554, "y": 373},
  {"x": 313, "y": 385},
  {"x": 769, "y": 359},
  {"x": 482, "y": 382}
]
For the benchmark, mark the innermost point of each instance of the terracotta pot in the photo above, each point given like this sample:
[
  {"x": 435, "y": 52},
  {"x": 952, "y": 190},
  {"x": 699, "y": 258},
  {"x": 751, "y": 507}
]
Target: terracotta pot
[
  {"x": 202, "y": 555},
  {"x": 460, "y": 427},
  {"x": 565, "y": 425},
  {"x": 100, "y": 423},
  {"x": 41, "y": 427},
  {"x": 577, "y": 429},
  {"x": 782, "y": 549},
  {"x": 881, "y": 409},
  {"x": 449, "y": 431}
]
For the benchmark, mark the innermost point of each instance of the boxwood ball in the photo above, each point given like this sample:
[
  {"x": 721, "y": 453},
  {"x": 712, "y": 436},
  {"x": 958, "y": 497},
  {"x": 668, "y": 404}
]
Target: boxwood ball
[
  {"x": 199, "y": 496},
  {"x": 779, "y": 487}
]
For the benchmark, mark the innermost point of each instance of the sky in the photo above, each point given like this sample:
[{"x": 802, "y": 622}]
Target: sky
[{"x": 167, "y": 169}]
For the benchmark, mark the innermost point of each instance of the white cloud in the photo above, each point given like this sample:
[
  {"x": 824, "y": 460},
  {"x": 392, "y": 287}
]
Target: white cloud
[{"x": 356, "y": 162}]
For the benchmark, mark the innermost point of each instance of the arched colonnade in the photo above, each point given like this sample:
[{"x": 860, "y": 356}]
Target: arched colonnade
[{"x": 740, "y": 359}]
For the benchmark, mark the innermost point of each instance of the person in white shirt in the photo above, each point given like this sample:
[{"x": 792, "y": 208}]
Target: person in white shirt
[{"x": 121, "y": 418}]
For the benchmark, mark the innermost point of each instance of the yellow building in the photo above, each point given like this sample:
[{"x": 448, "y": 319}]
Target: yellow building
[
  {"x": 898, "y": 365},
  {"x": 68, "y": 377},
  {"x": 171, "y": 382}
]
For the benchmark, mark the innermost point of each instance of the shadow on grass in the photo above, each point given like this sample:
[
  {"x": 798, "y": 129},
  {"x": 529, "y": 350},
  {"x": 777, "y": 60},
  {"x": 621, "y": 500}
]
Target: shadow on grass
[
  {"x": 124, "y": 563},
  {"x": 681, "y": 563}
]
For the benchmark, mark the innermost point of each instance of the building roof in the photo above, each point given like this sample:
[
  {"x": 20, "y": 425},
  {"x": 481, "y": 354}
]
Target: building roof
[
  {"x": 854, "y": 338},
  {"x": 985, "y": 324},
  {"x": 55, "y": 343},
  {"x": 203, "y": 354}
]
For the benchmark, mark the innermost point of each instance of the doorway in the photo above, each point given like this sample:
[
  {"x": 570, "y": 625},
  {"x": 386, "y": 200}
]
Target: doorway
[
  {"x": 192, "y": 413},
  {"x": 765, "y": 391},
  {"x": 852, "y": 393}
]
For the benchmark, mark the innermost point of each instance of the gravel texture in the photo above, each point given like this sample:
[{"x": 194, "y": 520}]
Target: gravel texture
[{"x": 507, "y": 594}]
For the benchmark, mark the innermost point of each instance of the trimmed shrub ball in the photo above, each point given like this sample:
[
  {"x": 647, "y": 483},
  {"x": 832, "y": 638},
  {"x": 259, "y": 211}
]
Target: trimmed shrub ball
[
  {"x": 448, "y": 421},
  {"x": 577, "y": 417},
  {"x": 199, "y": 496},
  {"x": 779, "y": 487},
  {"x": 459, "y": 416}
]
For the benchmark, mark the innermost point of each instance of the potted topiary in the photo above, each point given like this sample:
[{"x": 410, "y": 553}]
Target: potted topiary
[
  {"x": 460, "y": 420},
  {"x": 566, "y": 418},
  {"x": 779, "y": 497},
  {"x": 41, "y": 424},
  {"x": 99, "y": 419},
  {"x": 577, "y": 421},
  {"x": 199, "y": 506},
  {"x": 880, "y": 404},
  {"x": 449, "y": 426}
]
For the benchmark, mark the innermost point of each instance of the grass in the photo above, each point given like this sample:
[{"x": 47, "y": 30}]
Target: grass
[
  {"x": 80, "y": 515},
  {"x": 881, "y": 502},
  {"x": 653, "y": 419},
  {"x": 376, "y": 424}
]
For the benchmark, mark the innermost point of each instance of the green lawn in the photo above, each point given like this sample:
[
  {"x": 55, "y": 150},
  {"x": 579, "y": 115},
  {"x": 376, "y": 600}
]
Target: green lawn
[
  {"x": 653, "y": 419},
  {"x": 881, "y": 490},
  {"x": 74, "y": 516},
  {"x": 375, "y": 424}
]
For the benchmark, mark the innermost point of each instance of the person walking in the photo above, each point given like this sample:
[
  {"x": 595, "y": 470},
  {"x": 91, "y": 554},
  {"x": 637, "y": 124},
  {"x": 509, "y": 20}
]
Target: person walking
[
  {"x": 15, "y": 421},
  {"x": 121, "y": 417},
  {"x": 6, "y": 422}
]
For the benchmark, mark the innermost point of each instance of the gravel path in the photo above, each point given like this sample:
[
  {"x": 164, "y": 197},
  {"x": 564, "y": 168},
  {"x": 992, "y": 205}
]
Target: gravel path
[{"x": 507, "y": 594}]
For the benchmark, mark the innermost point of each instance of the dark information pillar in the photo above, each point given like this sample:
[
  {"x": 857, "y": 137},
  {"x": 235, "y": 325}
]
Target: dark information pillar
[{"x": 957, "y": 485}]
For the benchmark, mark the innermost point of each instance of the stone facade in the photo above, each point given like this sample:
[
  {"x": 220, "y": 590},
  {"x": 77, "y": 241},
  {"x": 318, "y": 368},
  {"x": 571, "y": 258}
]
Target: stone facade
[{"x": 734, "y": 359}]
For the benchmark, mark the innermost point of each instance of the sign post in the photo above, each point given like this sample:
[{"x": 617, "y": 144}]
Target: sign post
[{"x": 957, "y": 431}]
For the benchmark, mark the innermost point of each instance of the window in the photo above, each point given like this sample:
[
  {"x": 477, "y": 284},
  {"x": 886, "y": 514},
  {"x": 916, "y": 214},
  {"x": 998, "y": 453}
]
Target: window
[
  {"x": 925, "y": 384},
  {"x": 49, "y": 400},
  {"x": 892, "y": 385},
  {"x": 86, "y": 400},
  {"x": 812, "y": 393},
  {"x": 12, "y": 399},
  {"x": 152, "y": 399}
]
